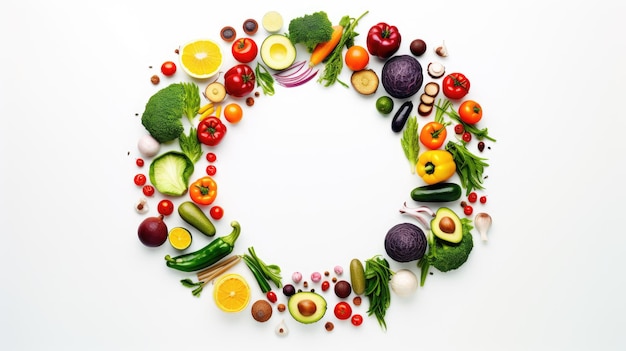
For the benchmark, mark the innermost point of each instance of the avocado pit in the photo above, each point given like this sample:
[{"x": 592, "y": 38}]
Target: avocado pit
[
  {"x": 447, "y": 225},
  {"x": 307, "y": 307}
]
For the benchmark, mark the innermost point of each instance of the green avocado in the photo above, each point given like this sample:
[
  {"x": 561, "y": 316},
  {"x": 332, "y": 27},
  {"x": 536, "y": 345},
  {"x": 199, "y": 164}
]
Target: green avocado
[
  {"x": 447, "y": 225},
  {"x": 307, "y": 307}
]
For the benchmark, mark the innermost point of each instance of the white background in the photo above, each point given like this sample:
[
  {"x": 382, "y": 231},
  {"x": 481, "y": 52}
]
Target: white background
[{"x": 315, "y": 177}]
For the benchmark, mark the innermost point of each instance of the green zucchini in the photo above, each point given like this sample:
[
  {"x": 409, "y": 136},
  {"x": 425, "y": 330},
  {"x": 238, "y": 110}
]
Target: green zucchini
[{"x": 439, "y": 192}]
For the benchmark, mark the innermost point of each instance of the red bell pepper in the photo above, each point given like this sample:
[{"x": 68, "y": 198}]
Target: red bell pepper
[
  {"x": 383, "y": 40},
  {"x": 239, "y": 81},
  {"x": 211, "y": 131}
]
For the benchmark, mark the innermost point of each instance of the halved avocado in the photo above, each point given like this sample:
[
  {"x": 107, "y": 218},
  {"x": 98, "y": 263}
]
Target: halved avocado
[
  {"x": 447, "y": 225},
  {"x": 307, "y": 307},
  {"x": 278, "y": 52}
]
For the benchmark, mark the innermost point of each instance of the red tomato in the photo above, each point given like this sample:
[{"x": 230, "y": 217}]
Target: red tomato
[
  {"x": 455, "y": 85},
  {"x": 211, "y": 157},
  {"x": 271, "y": 296},
  {"x": 470, "y": 112},
  {"x": 216, "y": 212},
  {"x": 239, "y": 81},
  {"x": 140, "y": 179},
  {"x": 168, "y": 68},
  {"x": 357, "y": 320},
  {"x": 165, "y": 207},
  {"x": 244, "y": 50},
  {"x": 211, "y": 170},
  {"x": 343, "y": 310},
  {"x": 148, "y": 190}
]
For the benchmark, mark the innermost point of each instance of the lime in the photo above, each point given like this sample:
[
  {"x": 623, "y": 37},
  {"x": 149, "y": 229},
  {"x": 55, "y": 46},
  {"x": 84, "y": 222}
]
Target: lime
[{"x": 384, "y": 105}]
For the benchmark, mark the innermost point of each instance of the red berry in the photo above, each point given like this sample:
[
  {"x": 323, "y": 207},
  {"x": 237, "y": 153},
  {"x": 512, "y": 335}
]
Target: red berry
[
  {"x": 139, "y": 162},
  {"x": 211, "y": 170},
  {"x": 468, "y": 210},
  {"x": 483, "y": 199},
  {"x": 357, "y": 320},
  {"x": 211, "y": 157},
  {"x": 140, "y": 179},
  {"x": 165, "y": 207},
  {"x": 467, "y": 136},
  {"x": 472, "y": 197},
  {"x": 325, "y": 285},
  {"x": 271, "y": 296},
  {"x": 148, "y": 190},
  {"x": 459, "y": 128},
  {"x": 216, "y": 212}
]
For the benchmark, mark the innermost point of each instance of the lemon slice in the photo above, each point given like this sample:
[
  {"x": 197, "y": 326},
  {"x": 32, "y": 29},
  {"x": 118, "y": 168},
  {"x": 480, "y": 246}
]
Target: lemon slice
[
  {"x": 231, "y": 293},
  {"x": 201, "y": 58},
  {"x": 179, "y": 238}
]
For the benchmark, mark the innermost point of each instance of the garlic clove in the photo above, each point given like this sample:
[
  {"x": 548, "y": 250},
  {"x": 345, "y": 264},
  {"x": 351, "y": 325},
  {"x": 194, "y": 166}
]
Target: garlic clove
[
  {"x": 281, "y": 328},
  {"x": 142, "y": 206},
  {"x": 482, "y": 221},
  {"x": 442, "y": 50}
]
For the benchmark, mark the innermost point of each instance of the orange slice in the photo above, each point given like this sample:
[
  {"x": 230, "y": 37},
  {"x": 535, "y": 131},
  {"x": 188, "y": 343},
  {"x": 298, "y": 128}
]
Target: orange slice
[
  {"x": 231, "y": 293},
  {"x": 179, "y": 238},
  {"x": 201, "y": 58}
]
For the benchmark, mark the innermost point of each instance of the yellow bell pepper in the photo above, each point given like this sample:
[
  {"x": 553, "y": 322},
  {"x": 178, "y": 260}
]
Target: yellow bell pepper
[{"x": 435, "y": 166}]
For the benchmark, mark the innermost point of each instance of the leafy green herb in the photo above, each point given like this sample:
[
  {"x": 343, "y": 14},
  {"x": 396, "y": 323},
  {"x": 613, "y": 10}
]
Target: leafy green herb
[
  {"x": 410, "y": 142},
  {"x": 264, "y": 79},
  {"x": 377, "y": 277},
  {"x": 190, "y": 145},
  {"x": 191, "y": 100},
  {"x": 197, "y": 287},
  {"x": 334, "y": 63},
  {"x": 446, "y": 107},
  {"x": 469, "y": 167}
]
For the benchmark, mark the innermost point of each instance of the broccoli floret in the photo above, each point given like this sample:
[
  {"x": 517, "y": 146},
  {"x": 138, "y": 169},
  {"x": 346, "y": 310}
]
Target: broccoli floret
[
  {"x": 310, "y": 29},
  {"x": 447, "y": 256},
  {"x": 163, "y": 114}
]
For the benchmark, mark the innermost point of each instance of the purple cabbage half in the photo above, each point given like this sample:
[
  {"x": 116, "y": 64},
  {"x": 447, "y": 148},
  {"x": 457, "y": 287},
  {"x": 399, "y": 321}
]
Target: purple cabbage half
[{"x": 405, "y": 242}]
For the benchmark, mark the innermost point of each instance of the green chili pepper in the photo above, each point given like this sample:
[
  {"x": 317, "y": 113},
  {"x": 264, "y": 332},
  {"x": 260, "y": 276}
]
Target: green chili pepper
[{"x": 208, "y": 255}]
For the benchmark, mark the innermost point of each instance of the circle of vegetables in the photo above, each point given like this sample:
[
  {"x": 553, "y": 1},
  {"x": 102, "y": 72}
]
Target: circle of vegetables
[{"x": 378, "y": 273}]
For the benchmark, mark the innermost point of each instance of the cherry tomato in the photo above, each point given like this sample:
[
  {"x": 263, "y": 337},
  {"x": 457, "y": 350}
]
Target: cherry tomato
[
  {"x": 343, "y": 310},
  {"x": 357, "y": 320},
  {"x": 244, "y": 50},
  {"x": 483, "y": 199},
  {"x": 271, "y": 296},
  {"x": 357, "y": 58},
  {"x": 325, "y": 285},
  {"x": 467, "y": 137},
  {"x": 139, "y": 162},
  {"x": 470, "y": 112},
  {"x": 472, "y": 197},
  {"x": 459, "y": 128},
  {"x": 165, "y": 207},
  {"x": 468, "y": 210},
  {"x": 216, "y": 212},
  {"x": 140, "y": 179},
  {"x": 148, "y": 190},
  {"x": 168, "y": 68},
  {"x": 211, "y": 170},
  {"x": 233, "y": 112},
  {"x": 211, "y": 157}
]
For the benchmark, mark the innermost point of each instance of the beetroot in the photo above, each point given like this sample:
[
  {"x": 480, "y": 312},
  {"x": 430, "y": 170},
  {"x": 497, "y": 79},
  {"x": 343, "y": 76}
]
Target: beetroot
[
  {"x": 405, "y": 242},
  {"x": 402, "y": 76}
]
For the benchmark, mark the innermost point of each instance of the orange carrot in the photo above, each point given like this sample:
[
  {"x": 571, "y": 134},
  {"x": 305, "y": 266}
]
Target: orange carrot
[{"x": 322, "y": 50}]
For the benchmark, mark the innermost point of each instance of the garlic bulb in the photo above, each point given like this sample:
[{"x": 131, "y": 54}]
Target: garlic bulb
[{"x": 482, "y": 221}]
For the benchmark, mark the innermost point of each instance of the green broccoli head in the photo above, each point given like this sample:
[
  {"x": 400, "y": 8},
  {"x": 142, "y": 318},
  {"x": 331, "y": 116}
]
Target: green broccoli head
[
  {"x": 447, "y": 256},
  {"x": 310, "y": 29},
  {"x": 162, "y": 117}
]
